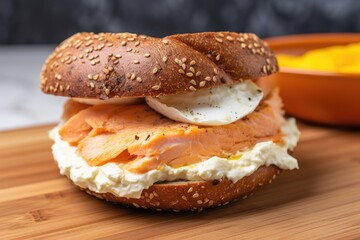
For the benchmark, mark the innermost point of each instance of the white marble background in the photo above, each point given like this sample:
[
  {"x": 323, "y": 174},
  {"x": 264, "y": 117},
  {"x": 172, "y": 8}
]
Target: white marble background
[{"x": 22, "y": 104}]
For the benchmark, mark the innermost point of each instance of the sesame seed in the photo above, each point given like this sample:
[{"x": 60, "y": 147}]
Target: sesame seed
[
  {"x": 110, "y": 68},
  {"x": 184, "y": 59},
  {"x": 93, "y": 62},
  {"x": 155, "y": 194},
  {"x": 190, "y": 189},
  {"x": 61, "y": 88},
  {"x": 219, "y": 40},
  {"x": 214, "y": 79},
  {"x": 133, "y": 76},
  {"x": 268, "y": 61},
  {"x": 250, "y": 46},
  {"x": 183, "y": 197},
  {"x": 106, "y": 71},
  {"x": 199, "y": 202},
  {"x": 116, "y": 61},
  {"x": 138, "y": 79},
  {"x": 155, "y": 87},
  {"x": 107, "y": 91},
  {"x": 192, "y": 88},
  {"x": 151, "y": 196},
  {"x": 243, "y": 45},
  {"x": 95, "y": 77},
  {"x": 164, "y": 59},
  {"x": 211, "y": 202},
  {"x": 137, "y": 43},
  {"x": 165, "y": 41},
  {"x": 155, "y": 70},
  {"x": 181, "y": 71},
  {"x": 136, "y": 205},
  {"x": 195, "y": 195},
  {"x": 88, "y": 43},
  {"x": 183, "y": 66},
  {"x": 67, "y": 87},
  {"x": 189, "y": 74},
  {"x": 147, "y": 55},
  {"x": 92, "y": 85},
  {"x": 123, "y": 43},
  {"x": 192, "y": 63},
  {"x": 128, "y": 75},
  {"x": 208, "y": 78},
  {"x": 230, "y": 38},
  {"x": 58, "y": 76},
  {"x": 136, "y": 61},
  {"x": 90, "y": 77},
  {"x": 264, "y": 69},
  {"x": 193, "y": 82},
  {"x": 191, "y": 69},
  {"x": 202, "y": 84},
  {"x": 129, "y": 49},
  {"x": 221, "y": 35},
  {"x": 216, "y": 71},
  {"x": 217, "y": 57},
  {"x": 246, "y": 37},
  {"x": 118, "y": 56}
]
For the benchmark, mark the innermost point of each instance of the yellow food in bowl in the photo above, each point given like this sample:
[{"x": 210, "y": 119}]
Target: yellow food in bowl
[{"x": 339, "y": 59}]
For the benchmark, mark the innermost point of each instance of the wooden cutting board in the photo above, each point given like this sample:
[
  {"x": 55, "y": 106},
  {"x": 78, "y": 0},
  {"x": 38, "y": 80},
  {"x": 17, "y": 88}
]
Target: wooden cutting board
[{"x": 321, "y": 200}]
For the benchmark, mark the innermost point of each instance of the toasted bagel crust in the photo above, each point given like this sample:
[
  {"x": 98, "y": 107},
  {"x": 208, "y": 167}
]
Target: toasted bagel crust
[
  {"x": 195, "y": 195},
  {"x": 108, "y": 65}
]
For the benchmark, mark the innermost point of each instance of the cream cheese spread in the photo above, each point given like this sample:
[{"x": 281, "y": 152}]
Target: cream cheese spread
[{"x": 112, "y": 178}]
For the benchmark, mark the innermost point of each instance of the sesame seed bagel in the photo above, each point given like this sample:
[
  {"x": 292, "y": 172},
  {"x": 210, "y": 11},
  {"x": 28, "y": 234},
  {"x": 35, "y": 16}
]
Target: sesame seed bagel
[
  {"x": 195, "y": 195},
  {"x": 108, "y": 65}
]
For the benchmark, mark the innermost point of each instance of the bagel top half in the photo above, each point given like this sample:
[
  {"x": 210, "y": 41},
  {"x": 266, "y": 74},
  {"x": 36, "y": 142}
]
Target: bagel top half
[{"x": 107, "y": 65}]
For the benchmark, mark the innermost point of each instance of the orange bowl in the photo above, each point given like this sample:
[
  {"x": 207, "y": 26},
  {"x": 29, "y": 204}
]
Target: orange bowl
[{"x": 318, "y": 96}]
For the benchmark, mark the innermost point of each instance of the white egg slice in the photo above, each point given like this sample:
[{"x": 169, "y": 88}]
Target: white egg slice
[{"x": 210, "y": 107}]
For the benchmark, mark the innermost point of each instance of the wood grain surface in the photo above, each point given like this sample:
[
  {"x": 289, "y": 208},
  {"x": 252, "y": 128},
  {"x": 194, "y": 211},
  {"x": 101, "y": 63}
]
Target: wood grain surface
[{"x": 319, "y": 201}]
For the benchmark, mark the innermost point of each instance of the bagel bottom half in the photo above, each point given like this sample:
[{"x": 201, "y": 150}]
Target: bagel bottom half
[{"x": 195, "y": 195}]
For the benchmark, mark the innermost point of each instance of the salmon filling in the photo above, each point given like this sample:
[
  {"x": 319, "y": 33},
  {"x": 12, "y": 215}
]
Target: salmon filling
[{"x": 142, "y": 139}]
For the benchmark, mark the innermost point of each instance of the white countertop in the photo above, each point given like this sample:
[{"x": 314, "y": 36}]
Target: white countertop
[{"x": 22, "y": 104}]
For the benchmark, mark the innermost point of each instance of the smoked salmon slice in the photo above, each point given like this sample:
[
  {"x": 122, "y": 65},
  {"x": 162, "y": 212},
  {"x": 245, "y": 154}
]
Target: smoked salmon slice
[{"x": 142, "y": 139}]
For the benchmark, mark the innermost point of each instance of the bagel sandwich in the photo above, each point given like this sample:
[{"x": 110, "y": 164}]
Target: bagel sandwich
[{"x": 176, "y": 123}]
